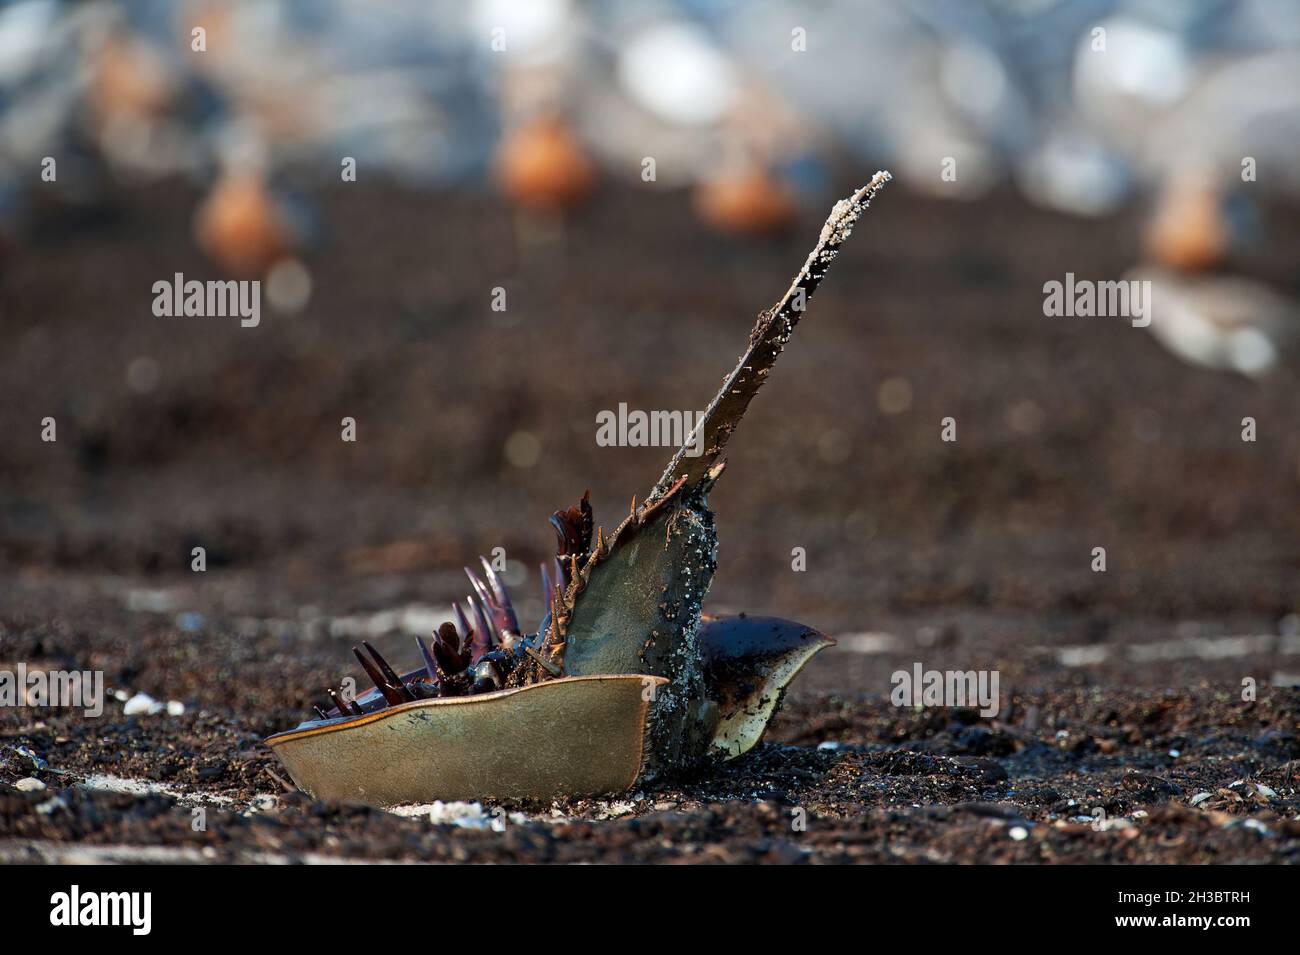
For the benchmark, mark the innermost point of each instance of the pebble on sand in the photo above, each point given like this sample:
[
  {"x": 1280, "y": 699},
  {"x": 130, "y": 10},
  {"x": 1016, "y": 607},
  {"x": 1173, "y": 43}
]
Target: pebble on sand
[{"x": 144, "y": 704}]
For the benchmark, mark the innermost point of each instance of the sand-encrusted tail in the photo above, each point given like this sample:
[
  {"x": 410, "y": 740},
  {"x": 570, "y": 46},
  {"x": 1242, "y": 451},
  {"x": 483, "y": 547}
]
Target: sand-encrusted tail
[{"x": 766, "y": 341}]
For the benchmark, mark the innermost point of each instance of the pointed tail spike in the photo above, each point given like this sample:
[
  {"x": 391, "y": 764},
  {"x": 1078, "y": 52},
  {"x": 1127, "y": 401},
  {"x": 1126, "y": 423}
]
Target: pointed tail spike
[{"x": 768, "y": 338}]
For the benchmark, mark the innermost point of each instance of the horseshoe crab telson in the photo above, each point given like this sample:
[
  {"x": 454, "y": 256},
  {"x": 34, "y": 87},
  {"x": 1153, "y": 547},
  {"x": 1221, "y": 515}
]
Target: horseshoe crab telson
[{"x": 625, "y": 679}]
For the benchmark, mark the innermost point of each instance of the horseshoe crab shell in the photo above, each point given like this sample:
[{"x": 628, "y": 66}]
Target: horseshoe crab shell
[
  {"x": 625, "y": 680},
  {"x": 582, "y": 734},
  {"x": 575, "y": 736}
]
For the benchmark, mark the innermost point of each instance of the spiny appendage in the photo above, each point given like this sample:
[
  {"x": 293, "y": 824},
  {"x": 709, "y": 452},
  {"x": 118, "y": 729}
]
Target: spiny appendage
[
  {"x": 484, "y": 649},
  {"x": 577, "y": 560},
  {"x": 481, "y": 651}
]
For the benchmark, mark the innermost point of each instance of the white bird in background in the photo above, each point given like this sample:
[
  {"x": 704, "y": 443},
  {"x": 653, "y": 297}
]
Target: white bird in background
[
  {"x": 1230, "y": 139},
  {"x": 1223, "y": 322}
]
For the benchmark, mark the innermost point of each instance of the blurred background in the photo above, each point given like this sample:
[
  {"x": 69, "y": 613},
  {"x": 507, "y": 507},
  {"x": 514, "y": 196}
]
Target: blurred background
[{"x": 640, "y": 179}]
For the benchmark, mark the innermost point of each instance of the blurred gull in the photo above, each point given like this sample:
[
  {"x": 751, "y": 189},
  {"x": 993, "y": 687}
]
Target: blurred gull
[
  {"x": 542, "y": 166},
  {"x": 242, "y": 226},
  {"x": 1225, "y": 323},
  {"x": 1072, "y": 171},
  {"x": 534, "y": 31},
  {"x": 673, "y": 70}
]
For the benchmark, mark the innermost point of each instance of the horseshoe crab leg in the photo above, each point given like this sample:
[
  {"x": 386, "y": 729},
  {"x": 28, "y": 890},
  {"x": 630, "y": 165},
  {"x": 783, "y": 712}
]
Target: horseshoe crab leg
[
  {"x": 389, "y": 673},
  {"x": 766, "y": 341},
  {"x": 502, "y": 598},
  {"x": 430, "y": 666},
  {"x": 382, "y": 675},
  {"x": 466, "y": 630},
  {"x": 481, "y": 643},
  {"x": 339, "y": 703}
]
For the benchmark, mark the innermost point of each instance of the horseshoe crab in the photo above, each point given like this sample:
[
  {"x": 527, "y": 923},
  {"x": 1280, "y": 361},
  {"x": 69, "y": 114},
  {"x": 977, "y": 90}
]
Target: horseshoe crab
[{"x": 625, "y": 679}]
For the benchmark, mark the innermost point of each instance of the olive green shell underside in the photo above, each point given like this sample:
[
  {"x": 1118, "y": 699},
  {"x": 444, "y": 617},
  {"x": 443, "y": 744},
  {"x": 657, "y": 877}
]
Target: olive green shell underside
[{"x": 571, "y": 736}]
